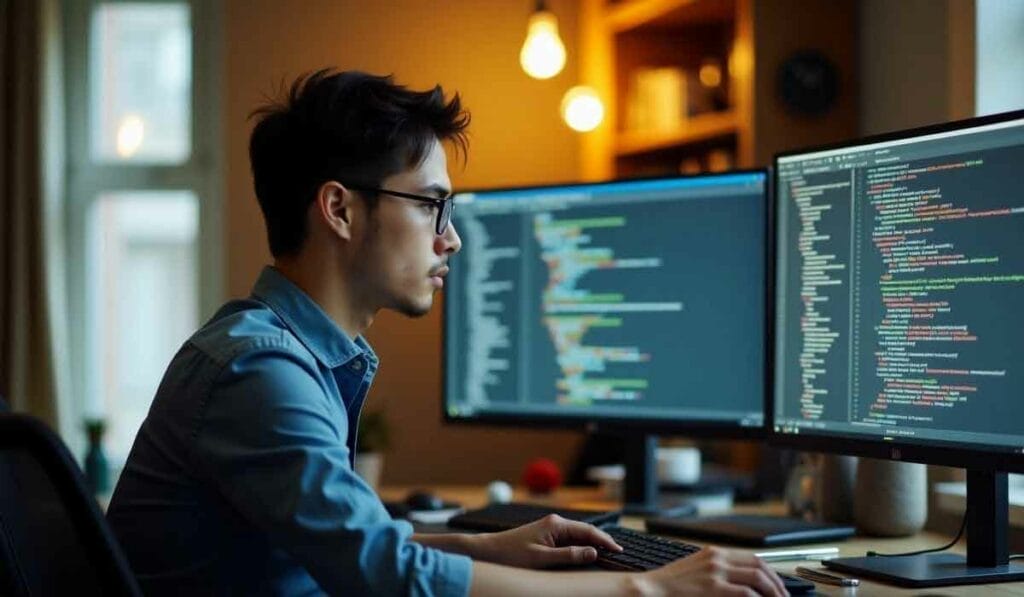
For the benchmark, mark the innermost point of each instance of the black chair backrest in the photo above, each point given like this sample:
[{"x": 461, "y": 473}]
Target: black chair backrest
[{"x": 53, "y": 537}]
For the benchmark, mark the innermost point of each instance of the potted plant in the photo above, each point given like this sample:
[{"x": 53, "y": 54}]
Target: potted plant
[{"x": 372, "y": 440}]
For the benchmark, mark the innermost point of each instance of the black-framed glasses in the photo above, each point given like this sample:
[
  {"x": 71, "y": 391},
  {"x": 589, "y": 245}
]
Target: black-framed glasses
[{"x": 444, "y": 205}]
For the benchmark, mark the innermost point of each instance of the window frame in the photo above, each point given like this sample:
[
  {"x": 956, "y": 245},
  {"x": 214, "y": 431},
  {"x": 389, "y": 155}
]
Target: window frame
[{"x": 88, "y": 178}]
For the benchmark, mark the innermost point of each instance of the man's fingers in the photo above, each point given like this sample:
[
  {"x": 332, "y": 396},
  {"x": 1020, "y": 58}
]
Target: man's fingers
[
  {"x": 574, "y": 531},
  {"x": 571, "y": 555},
  {"x": 757, "y": 579},
  {"x": 775, "y": 578},
  {"x": 749, "y": 560},
  {"x": 771, "y": 574},
  {"x": 752, "y": 567}
]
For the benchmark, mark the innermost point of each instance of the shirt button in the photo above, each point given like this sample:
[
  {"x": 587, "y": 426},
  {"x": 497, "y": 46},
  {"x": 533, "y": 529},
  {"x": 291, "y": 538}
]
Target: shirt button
[{"x": 357, "y": 365}]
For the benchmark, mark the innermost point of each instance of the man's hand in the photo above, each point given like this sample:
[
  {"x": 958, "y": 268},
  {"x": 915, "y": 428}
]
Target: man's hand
[
  {"x": 550, "y": 541},
  {"x": 712, "y": 571}
]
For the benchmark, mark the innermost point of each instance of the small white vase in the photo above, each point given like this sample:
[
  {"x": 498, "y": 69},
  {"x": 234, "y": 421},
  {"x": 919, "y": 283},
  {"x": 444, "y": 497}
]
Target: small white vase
[
  {"x": 890, "y": 498},
  {"x": 369, "y": 466},
  {"x": 835, "y": 488}
]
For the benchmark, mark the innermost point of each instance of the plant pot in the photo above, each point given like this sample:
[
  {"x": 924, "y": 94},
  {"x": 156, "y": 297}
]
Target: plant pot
[{"x": 369, "y": 466}]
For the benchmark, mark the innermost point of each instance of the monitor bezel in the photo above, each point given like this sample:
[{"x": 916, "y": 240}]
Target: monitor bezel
[
  {"x": 955, "y": 454},
  {"x": 696, "y": 428}
]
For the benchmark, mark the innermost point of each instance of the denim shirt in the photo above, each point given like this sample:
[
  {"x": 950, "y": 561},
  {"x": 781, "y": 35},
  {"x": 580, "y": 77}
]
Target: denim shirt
[{"x": 240, "y": 480}]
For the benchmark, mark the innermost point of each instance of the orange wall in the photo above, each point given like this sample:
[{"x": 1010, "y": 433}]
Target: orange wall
[{"x": 517, "y": 137}]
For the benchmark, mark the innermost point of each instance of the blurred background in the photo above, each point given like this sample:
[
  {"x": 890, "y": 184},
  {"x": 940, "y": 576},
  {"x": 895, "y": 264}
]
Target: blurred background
[{"x": 127, "y": 213}]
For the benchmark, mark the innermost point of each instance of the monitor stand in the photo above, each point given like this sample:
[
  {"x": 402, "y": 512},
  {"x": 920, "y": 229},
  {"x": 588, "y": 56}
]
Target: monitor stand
[
  {"x": 987, "y": 553},
  {"x": 640, "y": 487}
]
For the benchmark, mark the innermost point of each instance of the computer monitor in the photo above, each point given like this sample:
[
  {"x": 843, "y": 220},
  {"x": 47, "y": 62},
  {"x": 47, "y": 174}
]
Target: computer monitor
[
  {"x": 633, "y": 306},
  {"x": 899, "y": 281}
]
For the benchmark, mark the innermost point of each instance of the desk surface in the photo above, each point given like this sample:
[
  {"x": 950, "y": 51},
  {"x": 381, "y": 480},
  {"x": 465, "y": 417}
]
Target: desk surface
[{"x": 475, "y": 496}]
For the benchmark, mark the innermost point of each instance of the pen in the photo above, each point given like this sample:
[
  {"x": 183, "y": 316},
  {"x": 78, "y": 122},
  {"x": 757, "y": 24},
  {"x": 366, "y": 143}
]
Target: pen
[
  {"x": 789, "y": 555},
  {"x": 826, "y": 578}
]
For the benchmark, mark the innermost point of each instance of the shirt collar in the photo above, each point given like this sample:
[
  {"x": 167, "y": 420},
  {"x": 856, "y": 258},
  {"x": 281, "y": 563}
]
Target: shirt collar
[{"x": 304, "y": 317}]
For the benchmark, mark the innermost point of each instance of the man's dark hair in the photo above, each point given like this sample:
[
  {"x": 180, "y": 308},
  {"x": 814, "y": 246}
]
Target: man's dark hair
[{"x": 351, "y": 127}]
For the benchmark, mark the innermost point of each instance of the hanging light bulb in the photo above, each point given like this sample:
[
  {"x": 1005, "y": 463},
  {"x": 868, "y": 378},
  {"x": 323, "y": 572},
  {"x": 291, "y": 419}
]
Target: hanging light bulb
[
  {"x": 543, "y": 53},
  {"x": 582, "y": 109}
]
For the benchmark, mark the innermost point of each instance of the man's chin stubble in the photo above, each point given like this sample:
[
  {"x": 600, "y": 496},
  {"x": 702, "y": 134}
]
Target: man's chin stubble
[{"x": 414, "y": 311}]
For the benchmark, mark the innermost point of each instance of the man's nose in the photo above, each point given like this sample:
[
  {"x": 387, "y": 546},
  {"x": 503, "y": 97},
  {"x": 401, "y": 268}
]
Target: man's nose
[{"x": 449, "y": 242}]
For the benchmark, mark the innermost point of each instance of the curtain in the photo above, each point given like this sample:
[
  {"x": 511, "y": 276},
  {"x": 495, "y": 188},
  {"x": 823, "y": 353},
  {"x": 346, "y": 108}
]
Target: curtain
[{"x": 31, "y": 237}]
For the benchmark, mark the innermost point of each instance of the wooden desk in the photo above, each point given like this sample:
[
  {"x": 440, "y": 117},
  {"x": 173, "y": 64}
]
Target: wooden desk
[{"x": 474, "y": 496}]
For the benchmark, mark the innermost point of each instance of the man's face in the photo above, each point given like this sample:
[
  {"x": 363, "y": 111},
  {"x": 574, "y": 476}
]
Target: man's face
[{"x": 403, "y": 260}]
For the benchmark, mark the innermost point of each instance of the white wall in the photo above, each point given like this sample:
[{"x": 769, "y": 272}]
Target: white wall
[{"x": 999, "y": 79}]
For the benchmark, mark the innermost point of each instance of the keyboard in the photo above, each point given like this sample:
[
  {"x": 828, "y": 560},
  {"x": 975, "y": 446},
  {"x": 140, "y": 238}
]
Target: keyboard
[
  {"x": 642, "y": 552},
  {"x": 501, "y": 517}
]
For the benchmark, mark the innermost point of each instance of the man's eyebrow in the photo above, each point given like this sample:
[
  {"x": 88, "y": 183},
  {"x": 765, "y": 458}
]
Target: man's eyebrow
[{"x": 439, "y": 190}]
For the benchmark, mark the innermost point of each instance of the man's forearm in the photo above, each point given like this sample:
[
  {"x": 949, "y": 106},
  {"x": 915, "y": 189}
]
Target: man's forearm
[
  {"x": 461, "y": 543},
  {"x": 494, "y": 579},
  {"x": 491, "y": 579}
]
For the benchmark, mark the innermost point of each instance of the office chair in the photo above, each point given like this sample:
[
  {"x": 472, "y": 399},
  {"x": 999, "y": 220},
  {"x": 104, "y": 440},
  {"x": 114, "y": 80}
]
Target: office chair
[{"x": 53, "y": 537}]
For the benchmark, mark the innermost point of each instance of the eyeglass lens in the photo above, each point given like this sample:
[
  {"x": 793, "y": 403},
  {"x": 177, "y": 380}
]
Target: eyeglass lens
[{"x": 444, "y": 216}]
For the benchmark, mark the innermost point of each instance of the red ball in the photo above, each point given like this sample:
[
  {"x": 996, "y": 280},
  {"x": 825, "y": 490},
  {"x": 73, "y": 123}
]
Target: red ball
[{"x": 542, "y": 475}]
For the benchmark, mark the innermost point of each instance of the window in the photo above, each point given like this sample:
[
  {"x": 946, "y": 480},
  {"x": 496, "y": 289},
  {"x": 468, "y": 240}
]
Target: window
[
  {"x": 140, "y": 73},
  {"x": 142, "y": 207},
  {"x": 144, "y": 271},
  {"x": 999, "y": 82},
  {"x": 999, "y": 78}
]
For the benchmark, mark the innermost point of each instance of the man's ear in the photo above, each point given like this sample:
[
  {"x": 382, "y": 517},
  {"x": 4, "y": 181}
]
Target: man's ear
[{"x": 335, "y": 207}]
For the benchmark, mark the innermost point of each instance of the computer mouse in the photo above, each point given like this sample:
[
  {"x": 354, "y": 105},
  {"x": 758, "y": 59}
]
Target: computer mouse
[{"x": 423, "y": 500}]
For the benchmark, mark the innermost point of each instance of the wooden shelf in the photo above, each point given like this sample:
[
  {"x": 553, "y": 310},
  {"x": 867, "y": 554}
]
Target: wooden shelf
[
  {"x": 667, "y": 13},
  {"x": 621, "y": 37},
  {"x": 694, "y": 130}
]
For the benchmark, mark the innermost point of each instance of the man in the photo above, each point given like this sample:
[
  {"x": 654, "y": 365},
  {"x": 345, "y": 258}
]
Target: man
[{"x": 240, "y": 480}]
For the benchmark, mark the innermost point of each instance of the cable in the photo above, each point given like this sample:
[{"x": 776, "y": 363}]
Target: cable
[{"x": 960, "y": 533}]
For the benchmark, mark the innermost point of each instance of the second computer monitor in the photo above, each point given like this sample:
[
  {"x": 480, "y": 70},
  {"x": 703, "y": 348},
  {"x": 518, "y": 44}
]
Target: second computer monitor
[
  {"x": 639, "y": 302},
  {"x": 900, "y": 280}
]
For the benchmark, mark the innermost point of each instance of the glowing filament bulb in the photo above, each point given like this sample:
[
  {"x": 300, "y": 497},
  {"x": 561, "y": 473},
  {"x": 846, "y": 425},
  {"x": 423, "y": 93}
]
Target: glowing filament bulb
[
  {"x": 543, "y": 53},
  {"x": 582, "y": 109}
]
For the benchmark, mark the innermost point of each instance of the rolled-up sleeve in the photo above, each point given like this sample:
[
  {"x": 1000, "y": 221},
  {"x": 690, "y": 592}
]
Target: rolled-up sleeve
[{"x": 274, "y": 445}]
